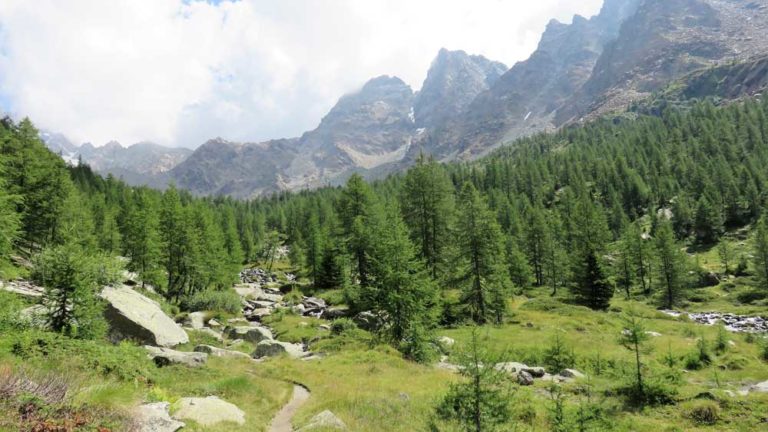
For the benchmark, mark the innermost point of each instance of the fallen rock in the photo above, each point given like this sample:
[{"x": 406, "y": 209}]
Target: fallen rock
[
  {"x": 571, "y": 373},
  {"x": 133, "y": 316},
  {"x": 220, "y": 352},
  {"x": 314, "y": 303},
  {"x": 273, "y": 348},
  {"x": 324, "y": 420},
  {"x": 248, "y": 290},
  {"x": 274, "y": 298},
  {"x": 154, "y": 417},
  {"x": 167, "y": 356},
  {"x": 212, "y": 333},
  {"x": 524, "y": 378},
  {"x": 258, "y": 314},
  {"x": 208, "y": 411},
  {"x": 250, "y": 334}
]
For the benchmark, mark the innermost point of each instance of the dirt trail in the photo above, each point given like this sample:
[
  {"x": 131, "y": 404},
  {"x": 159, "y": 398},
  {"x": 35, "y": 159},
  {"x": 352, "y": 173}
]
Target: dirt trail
[{"x": 282, "y": 421}]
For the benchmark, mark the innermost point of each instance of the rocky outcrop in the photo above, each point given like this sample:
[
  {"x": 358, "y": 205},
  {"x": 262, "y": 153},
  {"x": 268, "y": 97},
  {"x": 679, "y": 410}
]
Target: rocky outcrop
[
  {"x": 154, "y": 417},
  {"x": 23, "y": 288},
  {"x": 134, "y": 316},
  {"x": 166, "y": 356},
  {"x": 208, "y": 411}
]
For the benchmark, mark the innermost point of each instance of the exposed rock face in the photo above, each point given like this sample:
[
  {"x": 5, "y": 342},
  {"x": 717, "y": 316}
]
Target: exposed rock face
[
  {"x": 142, "y": 163},
  {"x": 208, "y": 411},
  {"x": 454, "y": 80},
  {"x": 250, "y": 334},
  {"x": 665, "y": 40},
  {"x": 527, "y": 97},
  {"x": 167, "y": 356},
  {"x": 133, "y": 316},
  {"x": 154, "y": 417}
]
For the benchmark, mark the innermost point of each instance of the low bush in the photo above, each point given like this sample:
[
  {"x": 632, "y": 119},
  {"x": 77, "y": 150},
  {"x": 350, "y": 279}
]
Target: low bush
[
  {"x": 749, "y": 297},
  {"x": 704, "y": 412},
  {"x": 213, "y": 300}
]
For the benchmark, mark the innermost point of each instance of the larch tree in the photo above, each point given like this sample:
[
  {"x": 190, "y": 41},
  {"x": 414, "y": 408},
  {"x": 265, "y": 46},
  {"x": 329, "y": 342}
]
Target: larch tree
[{"x": 481, "y": 268}]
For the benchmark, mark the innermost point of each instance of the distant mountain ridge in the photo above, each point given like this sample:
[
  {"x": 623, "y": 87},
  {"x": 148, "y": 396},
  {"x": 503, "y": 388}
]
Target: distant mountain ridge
[{"x": 469, "y": 105}]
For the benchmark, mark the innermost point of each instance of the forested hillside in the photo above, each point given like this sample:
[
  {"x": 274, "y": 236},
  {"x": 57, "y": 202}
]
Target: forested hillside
[{"x": 617, "y": 212}]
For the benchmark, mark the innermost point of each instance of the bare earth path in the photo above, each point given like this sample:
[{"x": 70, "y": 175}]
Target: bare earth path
[{"x": 282, "y": 421}]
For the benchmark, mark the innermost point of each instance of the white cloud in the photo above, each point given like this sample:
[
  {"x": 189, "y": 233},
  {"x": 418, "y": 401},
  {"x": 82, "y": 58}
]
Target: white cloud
[{"x": 179, "y": 72}]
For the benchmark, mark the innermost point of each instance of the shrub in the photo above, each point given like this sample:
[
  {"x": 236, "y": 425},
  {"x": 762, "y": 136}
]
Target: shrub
[
  {"x": 749, "y": 297},
  {"x": 559, "y": 355},
  {"x": 293, "y": 297},
  {"x": 342, "y": 325},
  {"x": 213, "y": 300},
  {"x": 764, "y": 351},
  {"x": 704, "y": 412},
  {"x": 721, "y": 341}
]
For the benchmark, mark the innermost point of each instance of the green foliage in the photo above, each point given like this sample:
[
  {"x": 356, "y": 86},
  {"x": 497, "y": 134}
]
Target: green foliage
[
  {"x": 481, "y": 269},
  {"x": 760, "y": 253},
  {"x": 342, "y": 325},
  {"x": 479, "y": 402},
  {"x": 671, "y": 267},
  {"x": 212, "y": 300},
  {"x": 558, "y": 355},
  {"x": 71, "y": 281}
]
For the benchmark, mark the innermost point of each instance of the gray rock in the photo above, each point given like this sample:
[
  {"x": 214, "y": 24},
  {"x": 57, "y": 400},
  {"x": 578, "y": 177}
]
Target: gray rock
[
  {"x": 273, "y": 348},
  {"x": 258, "y": 314},
  {"x": 335, "y": 312},
  {"x": 514, "y": 368},
  {"x": 324, "y": 420},
  {"x": 248, "y": 290},
  {"x": 154, "y": 417},
  {"x": 23, "y": 288},
  {"x": 368, "y": 321},
  {"x": 212, "y": 333},
  {"x": 572, "y": 373},
  {"x": 208, "y": 411},
  {"x": 214, "y": 324},
  {"x": 133, "y": 316},
  {"x": 220, "y": 352},
  {"x": 314, "y": 303},
  {"x": 274, "y": 298},
  {"x": 249, "y": 334},
  {"x": 445, "y": 343},
  {"x": 760, "y": 387},
  {"x": 167, "y": 356},
  {"x": 524, "y": 378}
]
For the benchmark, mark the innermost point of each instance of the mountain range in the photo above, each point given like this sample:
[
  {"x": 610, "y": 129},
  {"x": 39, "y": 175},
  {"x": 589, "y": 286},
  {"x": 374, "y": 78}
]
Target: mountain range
[{"x": 468, "y": 105}]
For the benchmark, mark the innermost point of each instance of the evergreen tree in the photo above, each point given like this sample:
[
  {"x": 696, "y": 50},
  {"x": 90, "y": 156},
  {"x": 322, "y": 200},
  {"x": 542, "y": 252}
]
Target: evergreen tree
[
  {"x": 708, "y": 222},
  {"x": 671, "y": 266},
  {"x": 10, "y": 220},
  {"x": 481, "y": 268},
  {"x": 591, "y": 286},
  {"x": 593, "y": 289},
  {"x": 633, "y": 338},
  {"x": 428, "y": 209},
  {"x": 356, "y": 209},
  {"x": 480, "y": 402},
  {"x": 727, "y": 257},
  {"x": 400, "y": 286},
  {"x": 331, "y": 272},
  {"x": 314, "y": 249},
  {"x": 760, "y": 253},
  {"x": 519, "y": 269},
  {"x": 141, "y": 239},
  {"x": 72, "y": 306},
  {"x": 177, "y": 243}
]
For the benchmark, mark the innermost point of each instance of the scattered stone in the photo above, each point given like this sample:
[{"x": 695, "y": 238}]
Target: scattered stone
[
  {"x": 250, "y": 334},
  {"x": 572, "y": 373},
  {"x": 220, "y": 352},
  {"x": 214, "y": 324},
  {"x": 273, "y": 348},
  {"x": 524, "y": 378},
  {"x": 299, "y": 309},
  {"x": 325, "y": 327},
  {"x": 208, "y": 411},
  {"x": 258, "y": 314},
  {"x": 653, "y": 334},
  {"x": 734, "y": 323},
  {"x": 334, "y": 312},
  {"x": 314, "y": 303},
  {"x": 368, "y": 320},
  {"x": 154, "y": 417},
  {"x": 325, "y": 420},
  {"x": 274, "y": 298},
  {"x": 133, "y": 316},
  {"x": 248, "y": 290},
  {"x": 167, "y": 356},
  {"x": 212, "y": 333}
]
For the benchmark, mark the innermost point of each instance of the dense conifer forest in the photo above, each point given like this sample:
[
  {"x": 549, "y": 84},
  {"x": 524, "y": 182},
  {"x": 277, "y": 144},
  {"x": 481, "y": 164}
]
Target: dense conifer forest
[{"x": 612, "y": 209}]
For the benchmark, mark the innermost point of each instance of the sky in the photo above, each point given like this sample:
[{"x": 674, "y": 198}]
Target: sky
[{"x": 179, "y": 72}]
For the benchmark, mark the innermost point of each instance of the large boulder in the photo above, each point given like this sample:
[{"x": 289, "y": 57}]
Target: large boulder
[
  {"x": 273, "y": 348},
  {"x": 247, "y": 333},
  {"x": 208, "y": 411},
  {"x": 167, "y": 356},
  {"x": 572, "y": 373},
  {"x": 154, "y": 417},
  {"x": 248, "y": 290},
  {"x": 133, "y": 316},
  {"x": 220, "y": 352},
  {"x": 324, "y": 421},
  {"x": 524, "y": 378}
]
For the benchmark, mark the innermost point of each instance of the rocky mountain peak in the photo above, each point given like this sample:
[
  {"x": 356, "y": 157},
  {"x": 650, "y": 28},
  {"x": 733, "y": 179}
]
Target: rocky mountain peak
[{"x": 454, "y": 79}]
